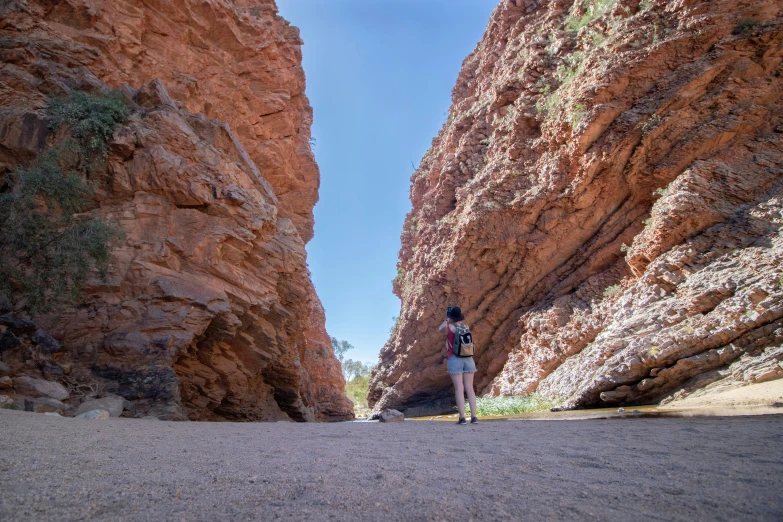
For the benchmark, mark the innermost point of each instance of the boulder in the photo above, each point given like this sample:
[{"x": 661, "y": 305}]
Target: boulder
[
  {"x": 51, "y": 370},
  {"x": 43, "y": 405},
  {"x": 5, "y": 401},
  {"x": 4, "y": 369},
  {"x": 94, "y": 415},
  {"x": 8, "y": 341},
  {"x": 45, "y": 342},
  {"x": 40, "y": 388},
  {"x": 6, "y": 382},
  {"x": 18, "y": 325},
  {"x": 114, "y": 404},
  {"x": 391, "y": 416}
]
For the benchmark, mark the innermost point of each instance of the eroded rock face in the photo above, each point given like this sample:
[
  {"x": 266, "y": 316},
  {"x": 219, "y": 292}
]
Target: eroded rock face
[
  {"x": 237, "y": 61},
  {"x": 208, "y": 310},
  {"x": 658, "y": 126}
]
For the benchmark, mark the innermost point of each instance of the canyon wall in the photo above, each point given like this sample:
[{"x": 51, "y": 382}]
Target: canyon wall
[
  {"x": 208, "y": 312},
  {"x": 604, "y": 203}
]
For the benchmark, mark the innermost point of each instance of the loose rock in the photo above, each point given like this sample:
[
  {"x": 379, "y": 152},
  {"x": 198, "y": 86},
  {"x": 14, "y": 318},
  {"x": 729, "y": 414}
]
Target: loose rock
[
  {"x": 94, "y": 415},
  {"x": 114, "y": 404},
  {"x": 43, "y": 405},
  {"x": 40, "y": 388},
  {"x": 391, "y": 416},
  {"x": 45, "y": 342},
  {"x": 5, "y": 383}
]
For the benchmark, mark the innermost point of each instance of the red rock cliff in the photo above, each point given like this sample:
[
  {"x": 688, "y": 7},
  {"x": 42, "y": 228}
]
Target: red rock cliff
[
  {"x": 604, "y": 202},
  {"x": 209, "y": 312}
]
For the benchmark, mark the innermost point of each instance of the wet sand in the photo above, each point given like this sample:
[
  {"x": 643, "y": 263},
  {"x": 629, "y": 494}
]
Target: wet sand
[{"x": 715, "y": 468}]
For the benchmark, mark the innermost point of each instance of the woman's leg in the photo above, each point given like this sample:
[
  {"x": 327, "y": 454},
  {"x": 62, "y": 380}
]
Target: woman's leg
[
  {"x": 468, "y": 382},
  {"x": 459, "y": 392}
]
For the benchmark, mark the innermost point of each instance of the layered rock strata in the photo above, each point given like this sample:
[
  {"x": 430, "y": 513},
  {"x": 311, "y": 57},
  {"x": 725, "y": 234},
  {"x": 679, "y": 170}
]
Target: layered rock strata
[
  {"x": 208, "y": 312},
  {"x": 604, "y": 202}
]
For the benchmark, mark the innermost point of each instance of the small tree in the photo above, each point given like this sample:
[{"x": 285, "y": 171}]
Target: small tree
[
  {"x": 340, "y": 347},
  {"x": 354, "y": 369},
  {"x": 357, "y": 377},
  {"x": 357, "y": 385}
]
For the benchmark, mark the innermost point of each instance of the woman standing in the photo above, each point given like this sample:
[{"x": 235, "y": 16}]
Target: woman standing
[{"x": 461, "y": 369}]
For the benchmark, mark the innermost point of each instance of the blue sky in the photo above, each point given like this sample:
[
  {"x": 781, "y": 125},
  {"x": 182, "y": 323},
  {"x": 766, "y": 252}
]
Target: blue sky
[{"x": 379, "y": 78}]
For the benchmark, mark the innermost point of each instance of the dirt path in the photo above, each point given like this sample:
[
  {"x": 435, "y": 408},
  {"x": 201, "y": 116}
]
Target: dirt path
[{"x": 656, "y": 469}]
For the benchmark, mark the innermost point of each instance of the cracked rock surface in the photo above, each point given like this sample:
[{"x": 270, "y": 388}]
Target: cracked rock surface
[
  {"x": 208, "y": 312},
  {"x": 604, "y": 203}
]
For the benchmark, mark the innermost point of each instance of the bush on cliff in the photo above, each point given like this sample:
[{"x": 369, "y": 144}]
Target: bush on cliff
[
  {"x": 91, "y": 118},
  {"x": 47, "y": 249}
]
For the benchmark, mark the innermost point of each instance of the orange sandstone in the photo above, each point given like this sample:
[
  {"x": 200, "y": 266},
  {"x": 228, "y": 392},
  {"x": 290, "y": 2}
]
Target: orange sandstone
[{"x": 604, "y": 202}]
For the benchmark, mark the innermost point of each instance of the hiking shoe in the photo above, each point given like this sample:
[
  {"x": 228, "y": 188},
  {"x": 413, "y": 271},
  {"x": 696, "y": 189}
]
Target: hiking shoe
[
  {"x": 462, "y": 420},
  {"x": 474, "y": 420}
]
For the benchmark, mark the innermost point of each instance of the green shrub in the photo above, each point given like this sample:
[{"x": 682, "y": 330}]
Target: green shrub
[
  {"x": 399, "y": 277},
  {"x": 46, "y": 250},
  {"x": 745, "y": 26},
  {"x": 660, "y": 191},
  {"x": 650, "y": 125},
  {"x": 613, "y": 290},
  {"x": 550, "y": 104},
  {"x": 62, "y": 189},
  {"x": 91, "y": 118},
  {"x": 598, "y": 38},
  {"x": 571, "y": 69},
  {"x": 513, "y": 405},
  {"x": 593, "y": 11},
  {"x": 575, "y": 115},
  {"x": 45, "y": 253}
]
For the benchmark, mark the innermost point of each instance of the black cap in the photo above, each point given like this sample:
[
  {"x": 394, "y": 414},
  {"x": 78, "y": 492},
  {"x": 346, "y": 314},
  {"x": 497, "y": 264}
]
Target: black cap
[{"x": 455, "y": 314}]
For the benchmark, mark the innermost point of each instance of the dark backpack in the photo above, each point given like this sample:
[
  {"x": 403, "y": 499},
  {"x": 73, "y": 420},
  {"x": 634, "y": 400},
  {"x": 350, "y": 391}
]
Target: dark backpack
[{"x": 463, "y": 341}]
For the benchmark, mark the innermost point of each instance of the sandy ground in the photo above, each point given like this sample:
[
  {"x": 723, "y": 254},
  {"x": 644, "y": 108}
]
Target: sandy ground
[
  {"x": 716, "y": 468},
  {"x": 763, "y": 396}
]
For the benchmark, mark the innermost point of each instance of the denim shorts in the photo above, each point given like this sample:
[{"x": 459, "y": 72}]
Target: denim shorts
[{"x": 457, "y": 365}]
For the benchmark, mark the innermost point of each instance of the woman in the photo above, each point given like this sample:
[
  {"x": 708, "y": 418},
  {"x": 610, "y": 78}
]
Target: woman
[{"x": 461, "y": 369}]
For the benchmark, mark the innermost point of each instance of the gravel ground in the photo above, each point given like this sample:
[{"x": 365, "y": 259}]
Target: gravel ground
[{"x": 718, "y": 468}]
